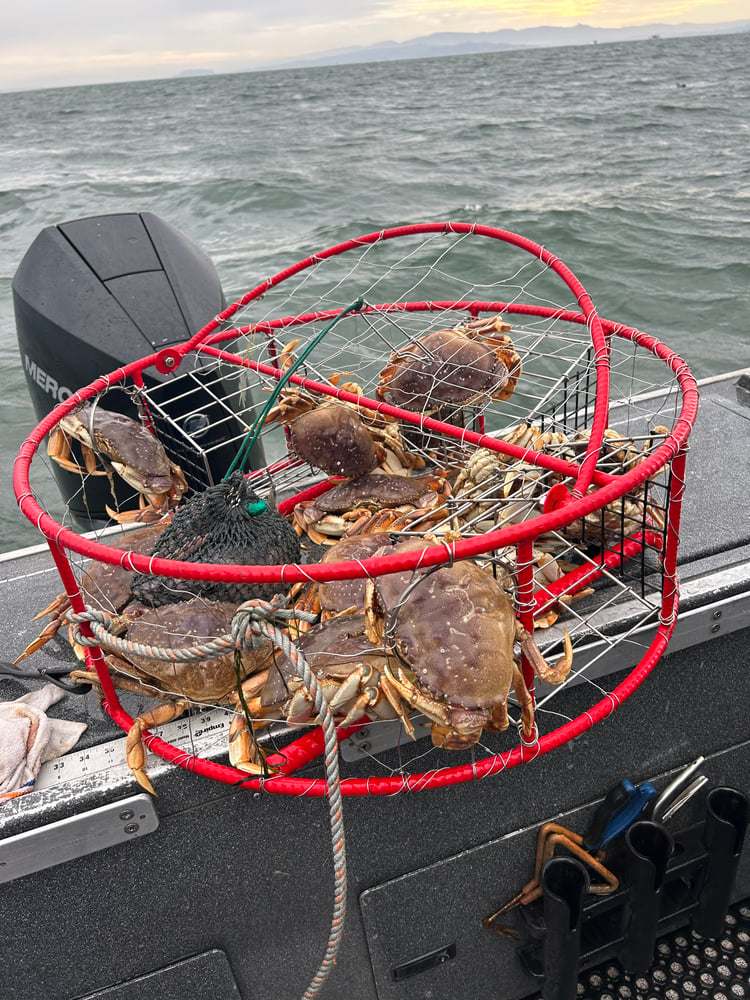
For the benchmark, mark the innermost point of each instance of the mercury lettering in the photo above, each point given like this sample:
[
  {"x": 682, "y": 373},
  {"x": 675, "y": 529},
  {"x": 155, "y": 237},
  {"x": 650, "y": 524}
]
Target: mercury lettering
[{"x": 45, "y": 381}]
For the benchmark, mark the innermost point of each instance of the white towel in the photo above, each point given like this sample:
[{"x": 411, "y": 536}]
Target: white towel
[{"x": 28, "y": 738}]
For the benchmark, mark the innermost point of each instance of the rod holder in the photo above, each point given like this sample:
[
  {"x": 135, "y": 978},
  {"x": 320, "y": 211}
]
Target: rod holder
[
  {"x": 723, "y": 836},
  {"x": 648, "y": 847},
  {"x": 565, "y": 883},
  {"x": 666, "y": 880}
]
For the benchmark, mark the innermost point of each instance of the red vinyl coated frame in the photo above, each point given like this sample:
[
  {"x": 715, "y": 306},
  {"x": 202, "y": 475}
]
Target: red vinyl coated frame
[
  {"x": 309, "y": 746},
  {"x": 607, "y": 489}
]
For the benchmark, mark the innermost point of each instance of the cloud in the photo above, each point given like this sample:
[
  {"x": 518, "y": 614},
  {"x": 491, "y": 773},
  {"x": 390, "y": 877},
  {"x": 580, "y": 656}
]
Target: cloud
[{"x": 49, "y": 42}]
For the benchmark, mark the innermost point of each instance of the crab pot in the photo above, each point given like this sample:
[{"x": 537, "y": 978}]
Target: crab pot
[
  {"x": 648, "y": 847},
  {"x": 565, "y": 883},
  {"x": 580, "y": 465},
  {"x": 97, "y": 293},
  {"x": 723, "y": 837}
]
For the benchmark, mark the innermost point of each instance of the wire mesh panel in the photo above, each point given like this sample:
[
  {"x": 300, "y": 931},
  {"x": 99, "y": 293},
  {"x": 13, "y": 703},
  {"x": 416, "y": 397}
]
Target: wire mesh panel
[{"x": 469, "y": 458}]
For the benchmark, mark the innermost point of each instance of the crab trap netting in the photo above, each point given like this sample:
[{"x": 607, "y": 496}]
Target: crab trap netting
[{"x": 430, "y": 455}]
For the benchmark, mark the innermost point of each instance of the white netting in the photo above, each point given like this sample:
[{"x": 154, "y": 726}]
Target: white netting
[{"x": 358, "y": 315}]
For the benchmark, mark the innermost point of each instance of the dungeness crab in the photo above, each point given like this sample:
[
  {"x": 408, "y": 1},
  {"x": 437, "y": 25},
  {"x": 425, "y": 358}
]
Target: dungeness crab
[
  {"x": 452, "y": 633},
  {"x": 351, "y": 672},
  {"x": 333, "y": 597},
  {"x": 123, "y": 445},
  {"x": 349, "y": 507},
  {"x": 339, "y": 437},
  {"x": 470, "y": 363},
  {"x": 183, "y": 683}
]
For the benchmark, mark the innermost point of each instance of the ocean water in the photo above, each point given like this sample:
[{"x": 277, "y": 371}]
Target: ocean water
[{"x": 629, "y": 161}]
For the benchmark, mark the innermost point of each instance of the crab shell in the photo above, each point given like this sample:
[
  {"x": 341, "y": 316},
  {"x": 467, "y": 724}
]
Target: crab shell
[
  {"x": 347, "y": 508},
  {"x": 133, "y": 451},
  {"x": 449, "y": 368},
  {"x": 108, "y": 586},
  {"x": 453, "y": 630},
  {"x": 374, "y": 491},
  {"x": 340, "y": 595},
  {"x": 191, "y": 623},
  {"x": 334, "y": 439}
]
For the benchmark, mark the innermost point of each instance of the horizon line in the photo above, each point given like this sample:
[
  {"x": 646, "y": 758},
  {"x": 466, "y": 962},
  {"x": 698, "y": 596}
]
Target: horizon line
[{"x": 308, "y": 61}]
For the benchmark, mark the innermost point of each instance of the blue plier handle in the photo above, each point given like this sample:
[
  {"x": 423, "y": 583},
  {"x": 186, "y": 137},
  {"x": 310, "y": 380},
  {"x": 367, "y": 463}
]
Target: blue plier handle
[{"x": 622, "y": 805}]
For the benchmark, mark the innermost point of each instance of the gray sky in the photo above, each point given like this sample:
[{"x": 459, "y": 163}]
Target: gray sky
[{"x": 60, "y": 42}]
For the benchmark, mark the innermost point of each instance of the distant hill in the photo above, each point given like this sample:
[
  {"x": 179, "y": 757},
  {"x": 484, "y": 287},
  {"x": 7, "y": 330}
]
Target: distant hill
[{"x": 467, "y": 43}]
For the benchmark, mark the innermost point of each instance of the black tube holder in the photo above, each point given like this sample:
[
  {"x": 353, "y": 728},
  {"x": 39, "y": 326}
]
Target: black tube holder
[
  {"x": 666, "y": 881},
  {"x": 565, "y": 883}
]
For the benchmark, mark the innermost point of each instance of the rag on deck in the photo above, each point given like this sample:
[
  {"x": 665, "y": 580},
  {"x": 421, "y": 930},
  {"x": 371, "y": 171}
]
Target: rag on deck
[{"x": 28, "y": 738}]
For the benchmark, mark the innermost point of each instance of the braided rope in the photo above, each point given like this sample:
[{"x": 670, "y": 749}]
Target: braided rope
[
  {"x": 251, "y": 620},
  {"x": 102, "y": 625}
]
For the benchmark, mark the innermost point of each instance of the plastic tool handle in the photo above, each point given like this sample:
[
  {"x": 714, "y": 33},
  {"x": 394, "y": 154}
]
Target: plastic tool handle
[{"x": 622, "y": 805}]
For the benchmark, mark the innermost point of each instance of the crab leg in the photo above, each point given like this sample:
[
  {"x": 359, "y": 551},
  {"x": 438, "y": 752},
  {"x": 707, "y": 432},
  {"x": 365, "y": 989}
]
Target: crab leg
[
  {"x": 57, "y": 609},
  {"x": 552, "y": 675},
  {"x": 499, "y": 719},
  {"x": 394, "y": 700},
  {"x": 525, "y": 700},
  {"x": 59, "y": 450},
  {"x": 135, "y": 751},
  {"x": 244, "y": 752}
]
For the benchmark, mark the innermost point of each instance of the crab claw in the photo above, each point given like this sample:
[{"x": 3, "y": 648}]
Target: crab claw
[
  {"x": 552, "y": 675},
  {"x": 149, "y": 514}
]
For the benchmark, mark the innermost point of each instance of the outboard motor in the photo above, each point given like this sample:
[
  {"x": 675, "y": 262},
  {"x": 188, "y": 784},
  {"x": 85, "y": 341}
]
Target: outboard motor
[{"x": 97, "y": 293}]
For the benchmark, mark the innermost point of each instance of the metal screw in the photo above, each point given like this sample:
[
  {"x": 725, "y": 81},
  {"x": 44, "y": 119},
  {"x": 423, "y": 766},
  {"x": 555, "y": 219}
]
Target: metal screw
[
  {"x": 256, "y": 795},
  {"x": 362, "y": 732},
  {"x": 132, "y": 828},
  {"x": 364, "y": 747},
  {"x": 716, "y": 627},
  {"x": 127, "y": 814},
  {"x": 716, "y": 615}
]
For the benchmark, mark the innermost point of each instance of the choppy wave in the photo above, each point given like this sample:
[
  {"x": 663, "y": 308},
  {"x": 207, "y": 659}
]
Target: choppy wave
[{"x": 630, "y": 161}]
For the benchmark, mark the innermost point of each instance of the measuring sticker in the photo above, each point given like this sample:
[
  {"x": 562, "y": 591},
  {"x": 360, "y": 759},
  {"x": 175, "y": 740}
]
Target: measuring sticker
[{"x": 196, "y": 734}]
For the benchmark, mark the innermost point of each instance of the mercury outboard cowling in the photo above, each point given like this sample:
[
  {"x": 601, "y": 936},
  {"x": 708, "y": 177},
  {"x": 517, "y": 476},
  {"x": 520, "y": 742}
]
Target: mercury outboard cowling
[{"x": 97, "y": 293}]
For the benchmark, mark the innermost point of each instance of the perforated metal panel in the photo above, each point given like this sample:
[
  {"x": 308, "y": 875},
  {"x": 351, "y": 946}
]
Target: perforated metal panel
[{"x": 686, "y": 966}]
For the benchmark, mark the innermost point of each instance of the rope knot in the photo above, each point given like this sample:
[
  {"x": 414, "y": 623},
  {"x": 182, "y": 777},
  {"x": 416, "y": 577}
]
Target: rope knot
[
  {"x": 265, "y": 618},
  {"x": 255, "y": 619}
]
